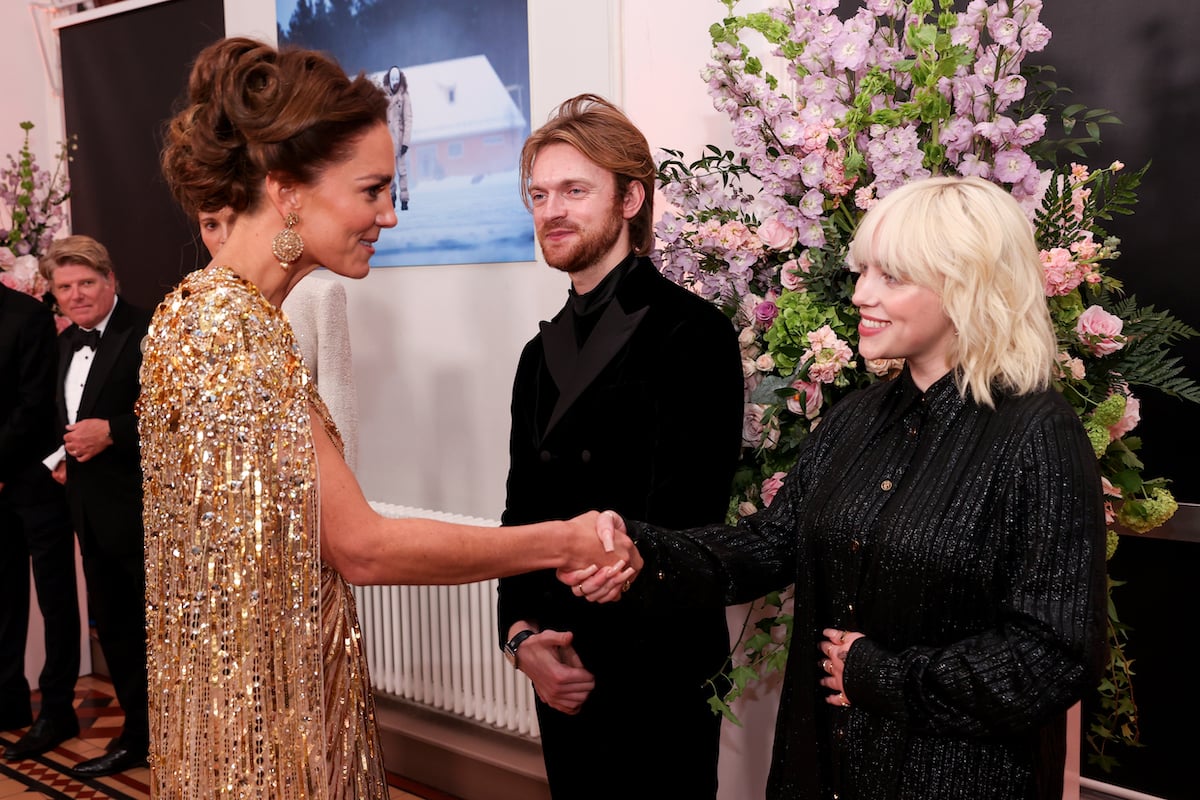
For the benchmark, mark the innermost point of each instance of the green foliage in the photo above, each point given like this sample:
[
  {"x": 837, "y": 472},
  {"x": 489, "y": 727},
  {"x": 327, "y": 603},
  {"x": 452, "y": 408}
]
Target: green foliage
[{"x": 1116, "y": 720}]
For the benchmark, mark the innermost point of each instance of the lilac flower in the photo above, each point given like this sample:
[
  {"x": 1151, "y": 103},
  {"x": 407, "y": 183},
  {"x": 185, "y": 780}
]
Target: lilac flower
[
  {"x": 812, "y": 234},
  {"x": 1004, "y": 30},
  {"x": 812, "y": 205},
  {"x": 1035, "y": 38},
  {"x": 1010, "y": 89},
  {"x": 849, "y": 50},
  {"x": 998, "y": 131},
  {"x": 1012, "y": 166},
  {"x": 787, "y": 166}
]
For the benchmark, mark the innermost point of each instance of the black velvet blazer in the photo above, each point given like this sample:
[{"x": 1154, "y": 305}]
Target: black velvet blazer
[{"x": 649, "y": 425}]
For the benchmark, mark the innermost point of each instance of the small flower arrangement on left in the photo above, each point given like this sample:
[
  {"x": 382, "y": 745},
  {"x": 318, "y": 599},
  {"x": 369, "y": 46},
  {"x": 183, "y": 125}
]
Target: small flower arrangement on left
[{"x": 32, "y": 211}]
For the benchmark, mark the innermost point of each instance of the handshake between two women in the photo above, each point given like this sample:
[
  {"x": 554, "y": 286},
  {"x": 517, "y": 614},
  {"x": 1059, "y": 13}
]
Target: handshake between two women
[{"x": 604, "y": 582}]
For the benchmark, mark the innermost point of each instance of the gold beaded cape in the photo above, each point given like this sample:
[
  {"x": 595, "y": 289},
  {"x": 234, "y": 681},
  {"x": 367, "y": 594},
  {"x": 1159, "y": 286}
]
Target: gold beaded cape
[{"x": 258, "y": 683}]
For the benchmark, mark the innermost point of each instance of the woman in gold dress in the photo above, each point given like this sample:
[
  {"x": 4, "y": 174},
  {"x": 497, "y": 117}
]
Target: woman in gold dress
[{"x": 254, "y": 523}]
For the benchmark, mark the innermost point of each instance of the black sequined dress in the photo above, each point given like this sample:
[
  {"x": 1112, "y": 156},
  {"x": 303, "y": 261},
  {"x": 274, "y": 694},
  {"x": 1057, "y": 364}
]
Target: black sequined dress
[{"x": 967, "y": 544}]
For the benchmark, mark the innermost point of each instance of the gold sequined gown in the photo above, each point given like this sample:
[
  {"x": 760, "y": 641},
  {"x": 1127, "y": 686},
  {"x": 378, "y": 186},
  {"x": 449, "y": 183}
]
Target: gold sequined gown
[{"x": 258, "y": 683}]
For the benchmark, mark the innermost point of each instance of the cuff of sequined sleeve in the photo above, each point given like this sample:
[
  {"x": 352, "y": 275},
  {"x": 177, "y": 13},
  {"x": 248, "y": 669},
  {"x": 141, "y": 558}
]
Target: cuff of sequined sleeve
[{"x": 872, "y": 678}]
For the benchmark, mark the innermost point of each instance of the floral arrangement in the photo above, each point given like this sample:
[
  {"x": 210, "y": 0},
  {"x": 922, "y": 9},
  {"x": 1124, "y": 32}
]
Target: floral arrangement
[
  {"x": 892, "y": 93},
  {"x": 34, "y": 201}
]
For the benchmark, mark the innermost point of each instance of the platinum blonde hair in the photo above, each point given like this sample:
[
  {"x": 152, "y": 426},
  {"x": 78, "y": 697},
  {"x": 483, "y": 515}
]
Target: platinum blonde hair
[{"x": 967, "y": 240}]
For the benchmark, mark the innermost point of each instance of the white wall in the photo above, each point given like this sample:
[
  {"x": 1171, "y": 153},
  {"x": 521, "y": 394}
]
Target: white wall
[{"x": 28, "y": 94}]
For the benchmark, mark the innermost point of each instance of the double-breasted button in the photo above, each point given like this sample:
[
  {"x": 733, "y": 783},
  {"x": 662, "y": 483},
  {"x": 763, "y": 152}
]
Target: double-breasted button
[
  {"x": 886, "y": 486},
  {"x": 585, "y": 456},
  {"x": 855, "y": 545},
  {"x": 545, "y": 456}
]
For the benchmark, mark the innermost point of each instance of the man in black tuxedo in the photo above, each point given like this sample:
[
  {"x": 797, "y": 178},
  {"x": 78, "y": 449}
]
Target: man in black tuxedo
[
  {"x": 629, "y": 399},
  {"x": 99, "y": 358},
  {"x": 34, "y": 529}
]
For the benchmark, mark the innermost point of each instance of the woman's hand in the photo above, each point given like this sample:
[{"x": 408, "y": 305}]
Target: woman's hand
[
  {"x": 834, "y": 650},
  {"x": 605, "y": 584}
]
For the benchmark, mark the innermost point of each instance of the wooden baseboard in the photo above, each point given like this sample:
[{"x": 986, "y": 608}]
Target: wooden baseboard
[{"x": 466, "y": 759}]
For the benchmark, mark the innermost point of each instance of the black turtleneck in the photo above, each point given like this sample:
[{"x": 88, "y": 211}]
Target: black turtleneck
[{"x": 586, "y": 308}]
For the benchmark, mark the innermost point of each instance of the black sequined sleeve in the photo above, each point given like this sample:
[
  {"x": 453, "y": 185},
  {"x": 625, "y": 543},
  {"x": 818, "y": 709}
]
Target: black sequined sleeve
[{"x": 739, "y": 563}]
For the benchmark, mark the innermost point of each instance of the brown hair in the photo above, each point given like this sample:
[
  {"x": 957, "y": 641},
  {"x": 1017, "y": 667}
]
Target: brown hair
[
  {"x": 252, "y": 109},
  {"x": 601, "y": 132},
  {"x": 82, "y": 250}
]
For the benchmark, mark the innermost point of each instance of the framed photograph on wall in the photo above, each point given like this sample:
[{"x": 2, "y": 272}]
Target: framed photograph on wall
[{"x": 456, "y": 74}]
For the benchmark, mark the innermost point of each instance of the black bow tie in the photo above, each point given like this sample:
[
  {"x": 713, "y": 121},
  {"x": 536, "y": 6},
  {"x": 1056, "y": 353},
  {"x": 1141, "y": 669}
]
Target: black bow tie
[{"x": 81, "y": 338}]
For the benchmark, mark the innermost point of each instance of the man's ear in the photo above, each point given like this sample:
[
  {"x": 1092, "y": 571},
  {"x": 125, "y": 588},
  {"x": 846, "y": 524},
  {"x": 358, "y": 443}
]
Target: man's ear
[{"x": 631, "y": 203}]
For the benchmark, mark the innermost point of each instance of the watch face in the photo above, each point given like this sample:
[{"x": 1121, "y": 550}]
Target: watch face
[{"x": 511, "y": 655}]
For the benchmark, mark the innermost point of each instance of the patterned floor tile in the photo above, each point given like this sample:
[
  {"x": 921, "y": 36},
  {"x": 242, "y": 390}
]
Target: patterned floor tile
[{"x": 100, "y": 719}]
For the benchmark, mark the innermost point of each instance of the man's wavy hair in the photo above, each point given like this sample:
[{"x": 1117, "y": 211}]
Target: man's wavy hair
[{"x": 601, "y": 132}]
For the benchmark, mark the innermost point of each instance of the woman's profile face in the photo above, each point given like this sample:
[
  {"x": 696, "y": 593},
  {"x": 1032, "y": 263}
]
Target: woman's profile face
[
  {"x": 215, "y": 227},
  {"x": 902, "y": 320},
  {"x": 343, "y": 212}
]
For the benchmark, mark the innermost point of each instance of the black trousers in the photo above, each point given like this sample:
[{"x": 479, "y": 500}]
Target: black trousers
[
  {"x": 35, "y": 528},
  {"x": 651, "y": 742},
  {"x": 116, "y": 590}
]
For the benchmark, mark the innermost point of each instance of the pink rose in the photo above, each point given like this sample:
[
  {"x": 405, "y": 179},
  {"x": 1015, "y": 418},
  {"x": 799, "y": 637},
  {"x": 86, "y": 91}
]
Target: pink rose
[
  {"x": 777, "y": 236},
  {"x": 790, "y": 277},
  {"x": 1067, "y": 365},
  {"x": 771, "y": 487},
  {"x": 765, "y": 313},
  {"x": 752, "y": 427},
  {"x": 7, "y": 258},
  {"x": 1100, "y": 331},
  {"x": 1128, "y": 420},
  {"x": 813, "y": 397}
]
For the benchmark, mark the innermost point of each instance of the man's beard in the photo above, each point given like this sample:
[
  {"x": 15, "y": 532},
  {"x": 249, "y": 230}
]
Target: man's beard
[{"x": 589, "y": 248}]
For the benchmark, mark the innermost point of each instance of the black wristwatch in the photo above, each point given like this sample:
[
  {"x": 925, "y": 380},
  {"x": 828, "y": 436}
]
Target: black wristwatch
[{"x": 510, "y": 647}]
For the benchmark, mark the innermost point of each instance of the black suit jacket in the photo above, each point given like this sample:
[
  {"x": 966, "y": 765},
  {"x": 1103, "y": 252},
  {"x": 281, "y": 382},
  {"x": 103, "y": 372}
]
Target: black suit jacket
[
  {"x": 648, "y": 423},
  {"x": 105, "y": 492},
  {"x": 27, "y": 359}
]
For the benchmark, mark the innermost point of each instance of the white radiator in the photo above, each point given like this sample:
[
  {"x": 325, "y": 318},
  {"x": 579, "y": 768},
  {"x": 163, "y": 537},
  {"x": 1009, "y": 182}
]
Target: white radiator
[{"x": 437, "y": 645}]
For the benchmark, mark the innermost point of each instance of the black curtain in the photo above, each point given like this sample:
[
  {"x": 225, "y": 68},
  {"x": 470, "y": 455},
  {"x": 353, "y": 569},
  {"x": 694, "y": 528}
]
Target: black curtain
[
  {"x": 1141, "y": 61},
  {"x": 122, "y": 78}
]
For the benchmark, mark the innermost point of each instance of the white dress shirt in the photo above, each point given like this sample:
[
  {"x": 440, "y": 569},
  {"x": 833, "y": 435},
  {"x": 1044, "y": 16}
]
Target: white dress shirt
[{"x": 77, "y": 375}]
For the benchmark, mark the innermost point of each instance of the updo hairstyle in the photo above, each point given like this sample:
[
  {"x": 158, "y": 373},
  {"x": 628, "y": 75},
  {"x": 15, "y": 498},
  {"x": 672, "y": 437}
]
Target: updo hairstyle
[{"x": 252, "y": 109}]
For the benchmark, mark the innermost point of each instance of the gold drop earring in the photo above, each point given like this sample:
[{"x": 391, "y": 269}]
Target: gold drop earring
[{"x": 287, "y": 246}]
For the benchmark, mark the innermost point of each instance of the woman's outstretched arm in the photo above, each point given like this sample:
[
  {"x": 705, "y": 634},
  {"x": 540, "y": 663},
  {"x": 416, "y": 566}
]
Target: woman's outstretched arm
[{"x": 368, "y": 548}]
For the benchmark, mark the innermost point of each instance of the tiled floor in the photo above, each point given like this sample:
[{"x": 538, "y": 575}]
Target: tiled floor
[{"x": 99, "y": 719}]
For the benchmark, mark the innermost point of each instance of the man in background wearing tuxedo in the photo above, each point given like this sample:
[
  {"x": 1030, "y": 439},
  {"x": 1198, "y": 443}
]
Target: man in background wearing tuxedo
[
  {"x": 34, "y": 529},
  {"x": 629, "y": 399},
  {"x": 100, "y": 356}
]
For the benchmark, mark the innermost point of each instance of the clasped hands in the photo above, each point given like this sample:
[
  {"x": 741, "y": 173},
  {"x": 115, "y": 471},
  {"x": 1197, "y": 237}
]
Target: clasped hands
[
  {"x": 87, "y": 438},
  {"x": 601, "y": 577},
  {"x": 835, "y": 647}
]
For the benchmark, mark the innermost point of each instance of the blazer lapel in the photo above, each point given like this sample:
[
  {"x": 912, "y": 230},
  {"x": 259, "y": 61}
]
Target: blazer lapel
[
  {"x": 611, "y": 333},
  {"x": 558, "y": 345},
  {"x": 111, "y": 344}
]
